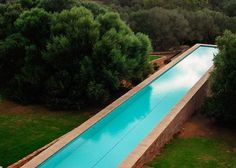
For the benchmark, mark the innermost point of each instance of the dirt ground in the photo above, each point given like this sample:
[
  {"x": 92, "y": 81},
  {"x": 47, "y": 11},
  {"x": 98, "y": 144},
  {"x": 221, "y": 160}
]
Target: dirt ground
[
  {"x": 199, "y": 125},
  {"x": 10, "y": 107}
]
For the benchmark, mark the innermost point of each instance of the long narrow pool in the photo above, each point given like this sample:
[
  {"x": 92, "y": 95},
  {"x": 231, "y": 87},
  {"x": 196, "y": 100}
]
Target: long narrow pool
[{"x": 107, "y": 143}]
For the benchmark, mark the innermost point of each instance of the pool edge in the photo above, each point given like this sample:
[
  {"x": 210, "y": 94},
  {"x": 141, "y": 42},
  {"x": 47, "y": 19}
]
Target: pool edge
[{"x": 65, "y": 139}]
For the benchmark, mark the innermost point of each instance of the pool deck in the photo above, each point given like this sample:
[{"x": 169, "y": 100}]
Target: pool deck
[{"x": 135, "y": 158}]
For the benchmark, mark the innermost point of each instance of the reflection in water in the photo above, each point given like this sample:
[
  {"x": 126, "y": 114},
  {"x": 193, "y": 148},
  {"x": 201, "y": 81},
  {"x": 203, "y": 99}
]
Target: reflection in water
[
  {"x": 187, "y": 72},
  {"x": 110, "y": 140}
]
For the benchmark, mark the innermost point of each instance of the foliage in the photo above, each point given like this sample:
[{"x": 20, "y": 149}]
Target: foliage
[
  {"x": 205, "y": 25},
  {"x": 215, "y": 4},
  {"x": 165, "y": 27},
  {"x": 28, "y": 3},
  {"x": 94, "y": 7},
  {"x": 175, "y": 22},
  {"x": 190, "y": 4},
  {"x": 221, "y": 106},
  {"x": 70, "y": 58},
  {"x": 230, "y": 7},
  {"x": 55, "y": 5},
  {"x": 34, "y": 25},
  {"x": 8, "y": 15},
  {"x": 10, "y": 62}
]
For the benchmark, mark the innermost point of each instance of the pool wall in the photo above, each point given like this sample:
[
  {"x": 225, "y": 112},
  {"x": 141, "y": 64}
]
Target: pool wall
[{"x": 156, "y": 139}]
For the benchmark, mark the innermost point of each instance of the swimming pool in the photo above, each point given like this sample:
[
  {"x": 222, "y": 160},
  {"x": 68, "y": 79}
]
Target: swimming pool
[{"x": 108, "y": 142}]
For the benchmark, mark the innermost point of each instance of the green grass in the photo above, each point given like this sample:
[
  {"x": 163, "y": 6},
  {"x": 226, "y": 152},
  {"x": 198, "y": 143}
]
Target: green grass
[
  {"x": 196, "y": 152},
  {"x": 153, "y": 57},
  {"x": 23, "y": 132}
]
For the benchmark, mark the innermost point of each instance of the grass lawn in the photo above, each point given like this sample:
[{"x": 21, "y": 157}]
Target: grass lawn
[
  {"x": 25, "y": 129},
  {"x": 196, "y": 152},
  {"x": 153, "y": 57},
  {"x": 202, "y": 149}
]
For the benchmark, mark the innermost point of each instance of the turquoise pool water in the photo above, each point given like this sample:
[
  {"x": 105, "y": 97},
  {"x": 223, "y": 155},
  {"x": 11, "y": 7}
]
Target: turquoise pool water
[{"x": 109, "y": 141}]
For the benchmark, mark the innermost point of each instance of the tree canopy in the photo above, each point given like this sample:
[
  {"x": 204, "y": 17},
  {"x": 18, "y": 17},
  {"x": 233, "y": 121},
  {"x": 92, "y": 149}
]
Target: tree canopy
[
  {"x": 175, "y": 22},
  {"x": 69, "y": 58},
  {"x": 166, "y": 28},
  {"x": 221, "y": 105}
]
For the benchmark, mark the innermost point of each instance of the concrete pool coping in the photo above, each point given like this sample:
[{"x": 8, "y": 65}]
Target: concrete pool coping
[{"x": 134, "y": 156}]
